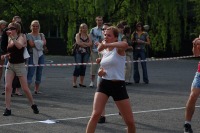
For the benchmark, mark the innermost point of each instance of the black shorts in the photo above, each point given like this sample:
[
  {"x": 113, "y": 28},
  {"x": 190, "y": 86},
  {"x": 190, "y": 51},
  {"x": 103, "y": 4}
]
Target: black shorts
[{"x": 116, "y": 89}]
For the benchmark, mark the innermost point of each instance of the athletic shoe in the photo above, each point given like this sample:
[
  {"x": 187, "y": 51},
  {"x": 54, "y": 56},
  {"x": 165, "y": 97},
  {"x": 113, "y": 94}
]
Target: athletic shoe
[
  {"x": 91, "y": 85},
  {"x": 188, "y": 128},
  {"x": 35, "y": 109},
  {"x": 102, "y": 119},
  {"x": 7, "y": 112}
]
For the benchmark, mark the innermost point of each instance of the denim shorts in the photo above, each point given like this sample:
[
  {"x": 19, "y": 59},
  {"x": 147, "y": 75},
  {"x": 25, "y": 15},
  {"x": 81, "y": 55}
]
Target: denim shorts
[{"x": 196, "y": 81}]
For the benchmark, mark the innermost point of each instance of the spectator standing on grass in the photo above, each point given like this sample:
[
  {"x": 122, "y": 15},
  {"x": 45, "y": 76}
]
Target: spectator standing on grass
[
  {"x": 82, "y": 54},
  {"x": 16, "y": 66},
  {"x": 97, "y": 36},
  {"x": 36, "y": 42}
]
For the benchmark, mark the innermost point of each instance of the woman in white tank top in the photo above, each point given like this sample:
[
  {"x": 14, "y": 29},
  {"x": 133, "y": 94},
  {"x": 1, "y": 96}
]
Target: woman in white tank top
[{"x": 113, "y": 82}]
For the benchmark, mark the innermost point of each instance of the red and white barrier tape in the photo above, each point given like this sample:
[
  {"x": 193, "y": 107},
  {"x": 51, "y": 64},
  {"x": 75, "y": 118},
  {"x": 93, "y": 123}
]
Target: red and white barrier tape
[{"x": 76, "y": 64}]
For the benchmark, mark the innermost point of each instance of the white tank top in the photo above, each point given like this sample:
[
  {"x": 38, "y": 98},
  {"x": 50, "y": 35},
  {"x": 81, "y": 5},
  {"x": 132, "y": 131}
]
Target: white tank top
[{"x": 113, "y": 64}]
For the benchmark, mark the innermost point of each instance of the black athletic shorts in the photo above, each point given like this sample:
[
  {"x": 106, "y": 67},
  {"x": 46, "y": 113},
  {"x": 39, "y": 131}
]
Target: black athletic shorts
[{"x": 115, "y": 89}]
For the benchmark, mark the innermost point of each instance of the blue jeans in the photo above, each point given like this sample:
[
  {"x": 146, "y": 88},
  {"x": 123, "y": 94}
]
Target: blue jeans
[
  {"x": 80, "y": 69},
  {"x": 31, "y": 70},
  {"x": 140, "y": 53}
]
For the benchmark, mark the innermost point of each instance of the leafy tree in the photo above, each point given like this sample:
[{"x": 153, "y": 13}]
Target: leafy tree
[{"x": 168, "y": 19}]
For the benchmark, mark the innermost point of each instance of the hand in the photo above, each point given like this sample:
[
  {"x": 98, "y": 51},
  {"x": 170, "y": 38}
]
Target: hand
[
  {"x": 195, "y": 40},
  {"x": 3, "y": 57},
  {"x": 98, "y": 60},
  {"x": 140, "y": 41},
  {"x": 97, "y": 43},
  {"x": 101, "y": 72},
  {"x": 104, "y": 44}
]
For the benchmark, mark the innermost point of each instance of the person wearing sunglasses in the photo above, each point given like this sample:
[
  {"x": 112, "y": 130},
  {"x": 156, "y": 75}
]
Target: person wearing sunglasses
[
  {"x": 16, "y": 66},
  {"x": 4, "y": 43}
]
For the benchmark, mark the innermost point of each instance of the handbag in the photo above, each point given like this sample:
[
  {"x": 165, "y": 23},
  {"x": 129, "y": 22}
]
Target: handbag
[
  {"x": 26, "y": 54},
  {"x": 74, "y": 48},
  {"x": 45, "y": 49}
]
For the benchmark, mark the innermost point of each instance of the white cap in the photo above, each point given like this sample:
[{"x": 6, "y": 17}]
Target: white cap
[{"x": 3, "y": 22}]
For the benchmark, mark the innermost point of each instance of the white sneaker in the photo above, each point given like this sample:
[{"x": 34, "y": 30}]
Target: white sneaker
[{"x": 91, "y": 84}]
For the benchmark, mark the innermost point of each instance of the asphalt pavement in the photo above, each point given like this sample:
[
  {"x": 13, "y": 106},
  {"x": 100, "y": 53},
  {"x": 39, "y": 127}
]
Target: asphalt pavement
[{"x": 158, "y": 107}]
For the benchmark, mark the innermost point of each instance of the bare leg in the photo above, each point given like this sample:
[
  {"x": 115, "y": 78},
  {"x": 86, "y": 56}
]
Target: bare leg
[
  {"x": 99, "y": 103},
  {"x": 92, "y": 78},
  {"x": 81, "y": 79},
  {"x": 17, "y": 92},
  {"x": 190, "y": 106},
  {"x": 37, "y": 87},
  {"x": 124, "y": 107},
  {"x": 74, "y": 80},
  {"x": 8, "y": 89},
  {"x": 103, "y": 113},
  {"x": 24, "y": 84}
]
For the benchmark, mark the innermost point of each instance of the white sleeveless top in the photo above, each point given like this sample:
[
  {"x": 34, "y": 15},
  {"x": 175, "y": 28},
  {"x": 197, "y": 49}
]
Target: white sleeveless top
[{"x": 113, "y": 64}]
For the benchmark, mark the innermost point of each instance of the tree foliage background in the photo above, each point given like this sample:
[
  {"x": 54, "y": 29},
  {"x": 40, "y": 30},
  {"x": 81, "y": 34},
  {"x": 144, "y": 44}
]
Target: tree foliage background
[{"x": 173, "y": 23}]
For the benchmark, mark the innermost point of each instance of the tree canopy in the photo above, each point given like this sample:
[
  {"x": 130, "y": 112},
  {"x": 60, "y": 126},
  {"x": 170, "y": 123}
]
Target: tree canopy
[{"x": 171, "y": 21}]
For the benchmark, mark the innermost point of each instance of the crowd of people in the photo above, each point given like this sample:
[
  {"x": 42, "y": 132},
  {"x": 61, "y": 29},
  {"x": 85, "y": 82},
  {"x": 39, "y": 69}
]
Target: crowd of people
[{"x": 113, "y": 52}]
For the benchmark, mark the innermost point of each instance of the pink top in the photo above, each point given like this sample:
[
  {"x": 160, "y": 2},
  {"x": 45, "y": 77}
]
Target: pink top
[{"x": 198, "y": 70}]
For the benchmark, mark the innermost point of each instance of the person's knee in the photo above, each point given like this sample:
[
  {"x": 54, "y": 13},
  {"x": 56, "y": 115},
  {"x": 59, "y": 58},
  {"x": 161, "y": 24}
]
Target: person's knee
[
  {"x": 96, "y": 115},
  {"x": 192, "y": 98},
  {"x": 194, "y": 95},
  {"x": 8, "y": 88}
]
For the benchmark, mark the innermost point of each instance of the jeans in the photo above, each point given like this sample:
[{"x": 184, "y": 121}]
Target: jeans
[
  {"x": 80, "y": 69},
  {"x": 31, "y": 70},
  {"x": 128, "y": 66},
  {"x": 140, "y": 53}
]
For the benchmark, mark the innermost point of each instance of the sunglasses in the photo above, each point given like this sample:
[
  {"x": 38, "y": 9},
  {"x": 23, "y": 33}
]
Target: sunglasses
[{"x": 12, "y": 28}]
